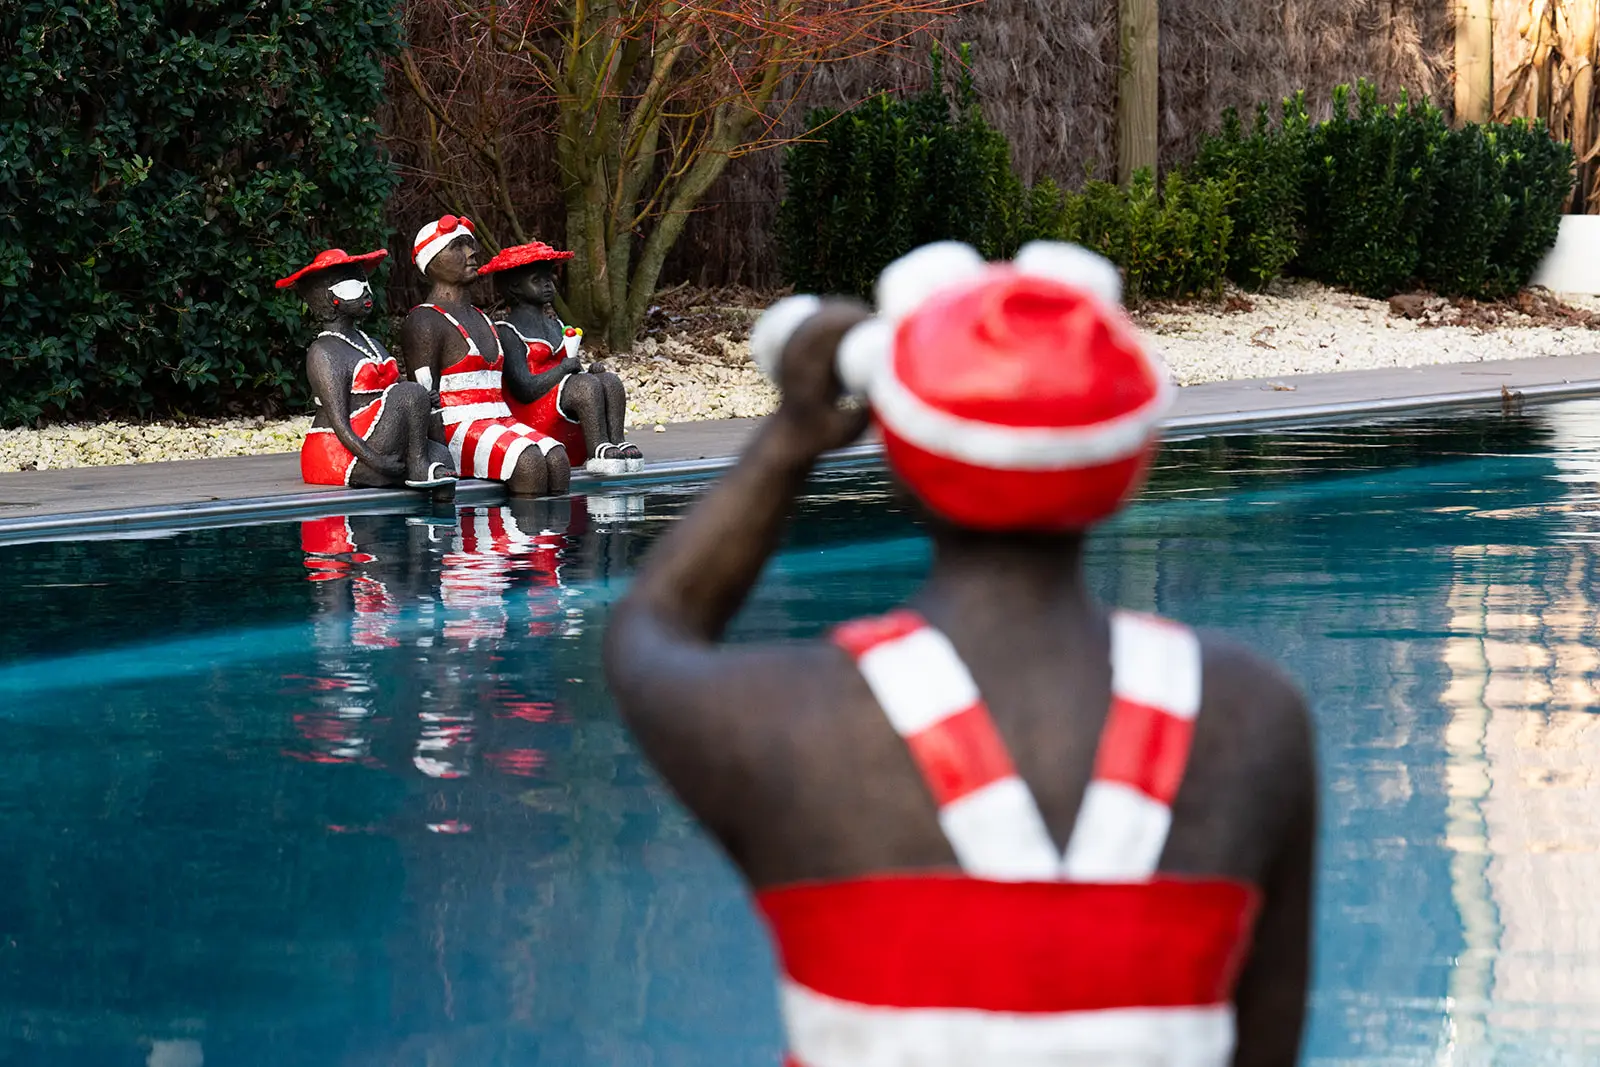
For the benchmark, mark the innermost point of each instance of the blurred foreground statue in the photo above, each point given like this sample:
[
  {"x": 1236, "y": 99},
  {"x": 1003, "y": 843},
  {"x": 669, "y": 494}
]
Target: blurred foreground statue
[
  {"x": 371, "y": 428},
  {"x": 1003, "y": 824},
  {"x": 545, "y": 383}
]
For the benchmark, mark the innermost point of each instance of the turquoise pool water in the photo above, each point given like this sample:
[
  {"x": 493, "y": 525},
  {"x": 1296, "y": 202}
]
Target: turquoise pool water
[{"x": 273, "y": 799}]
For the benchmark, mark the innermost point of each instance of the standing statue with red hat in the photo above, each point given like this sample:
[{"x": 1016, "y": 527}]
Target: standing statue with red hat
[
  {"x": 547, "y": 387},
  {"x": 452, "y": 348},
  {"x": 371, "y": 429},
  {"x": 1003, "y": 824}
]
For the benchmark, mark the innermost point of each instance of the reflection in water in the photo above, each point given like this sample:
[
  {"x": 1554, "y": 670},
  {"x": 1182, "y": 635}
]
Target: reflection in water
[
  {"x": 348, "y": 793},
  {"x": 1524, "y": 779},
  {"x": 440, "y": 602}
]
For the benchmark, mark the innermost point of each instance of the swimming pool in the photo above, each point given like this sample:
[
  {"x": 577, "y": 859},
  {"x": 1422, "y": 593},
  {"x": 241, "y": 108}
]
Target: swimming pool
[{"x": 349, "y": 792}]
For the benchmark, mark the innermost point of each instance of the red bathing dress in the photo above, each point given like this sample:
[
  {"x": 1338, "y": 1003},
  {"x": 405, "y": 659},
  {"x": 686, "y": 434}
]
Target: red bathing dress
[
  {"x": 545, "y": 414},
  {"x": 1026, "y": 955},
  {"x": 323, "y": 459}
]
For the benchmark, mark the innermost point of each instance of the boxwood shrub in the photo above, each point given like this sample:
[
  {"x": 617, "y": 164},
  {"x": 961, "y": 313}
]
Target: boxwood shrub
[{"x": 161, "y": 162}]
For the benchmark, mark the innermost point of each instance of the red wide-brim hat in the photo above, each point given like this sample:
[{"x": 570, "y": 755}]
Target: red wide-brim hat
[
  {"x": 334, "y": 257},
  {"x": 522, "y": 256}
]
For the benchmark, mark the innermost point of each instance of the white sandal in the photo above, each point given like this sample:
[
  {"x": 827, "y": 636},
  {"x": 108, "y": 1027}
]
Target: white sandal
[
  {"x": 434, "y": 478},
  {"x": 635, "y": 462},
  {"x": 607, "y": 460}
]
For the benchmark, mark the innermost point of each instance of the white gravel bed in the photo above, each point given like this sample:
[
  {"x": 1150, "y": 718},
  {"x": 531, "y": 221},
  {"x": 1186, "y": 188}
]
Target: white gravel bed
[
  {"x": 100, "y": 444},
  {"x": 1297, "y": 328},
  {"x": 1305, "y": 328}
]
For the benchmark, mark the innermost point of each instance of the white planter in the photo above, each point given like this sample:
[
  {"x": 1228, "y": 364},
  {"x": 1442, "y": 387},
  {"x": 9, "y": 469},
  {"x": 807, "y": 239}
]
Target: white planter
[{"x": 1573, "y": 265}]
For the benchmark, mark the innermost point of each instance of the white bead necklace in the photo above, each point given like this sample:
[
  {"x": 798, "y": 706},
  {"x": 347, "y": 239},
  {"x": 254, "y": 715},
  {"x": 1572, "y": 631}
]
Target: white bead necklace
[{"x": 365, "y": 345}]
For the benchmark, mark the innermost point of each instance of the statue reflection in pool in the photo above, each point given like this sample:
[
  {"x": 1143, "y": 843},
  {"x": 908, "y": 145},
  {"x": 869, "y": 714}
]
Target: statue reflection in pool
[{"x": 371, "y": 429}]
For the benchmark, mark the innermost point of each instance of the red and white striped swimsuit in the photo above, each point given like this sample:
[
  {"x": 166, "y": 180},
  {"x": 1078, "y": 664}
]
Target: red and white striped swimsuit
[
  {"x": 1027, "y": 957},
  {"x": 486, "y": 440}
]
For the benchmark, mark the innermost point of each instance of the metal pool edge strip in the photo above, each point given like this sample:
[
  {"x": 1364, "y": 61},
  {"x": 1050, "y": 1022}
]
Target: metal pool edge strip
[
  {"x": 1245, "y": 420},
  {"x": 249, "y": 510}
]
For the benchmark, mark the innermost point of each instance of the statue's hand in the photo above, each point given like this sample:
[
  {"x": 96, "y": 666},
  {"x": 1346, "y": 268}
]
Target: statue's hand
[
  {"x": 572, "y": 365},
  {"x": 810, "y": 410}
]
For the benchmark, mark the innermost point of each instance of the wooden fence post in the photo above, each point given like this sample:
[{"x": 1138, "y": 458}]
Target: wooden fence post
[
  {"x": 1138, "y": 85},
  {"x": 1474, "y": 61}
]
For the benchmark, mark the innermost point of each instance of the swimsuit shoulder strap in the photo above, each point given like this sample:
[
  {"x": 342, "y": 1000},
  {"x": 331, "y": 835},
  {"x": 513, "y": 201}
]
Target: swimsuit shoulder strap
[
  {"x": 986, "y": 811},
  {"x": 524, "y": 338},
  {"x": 1126, "y": 813}
]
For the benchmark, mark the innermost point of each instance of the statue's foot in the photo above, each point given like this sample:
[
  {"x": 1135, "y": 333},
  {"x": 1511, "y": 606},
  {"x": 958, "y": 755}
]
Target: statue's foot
[
  {"x": 438, "y": 474},
  {"x": 607, "y": 460},
  {"x": 632, "y": 457}
]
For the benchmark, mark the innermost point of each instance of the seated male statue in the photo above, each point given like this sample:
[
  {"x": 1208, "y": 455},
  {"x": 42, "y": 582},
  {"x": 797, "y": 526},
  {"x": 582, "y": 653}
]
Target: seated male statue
[
  {"x": 1003, "y": 824},
  {"x": 546, "y": 385},
  {"x": 371, "y": 429},
  {"x": 452, "y": 348}
]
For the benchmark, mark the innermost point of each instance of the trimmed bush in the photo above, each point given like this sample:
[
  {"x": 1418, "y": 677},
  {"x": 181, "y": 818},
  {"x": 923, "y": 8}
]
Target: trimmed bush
[
  {"x": 1169, "y": 244},
  {"x": 1368, "y": 191},
  {"x": 898, "y": 172},
  {"x": 1470, "y": 211},
  {"x": 161, "y": 163},
  {"x": 1536, "y": 176},
  {"x": 1263, "y": 168}
]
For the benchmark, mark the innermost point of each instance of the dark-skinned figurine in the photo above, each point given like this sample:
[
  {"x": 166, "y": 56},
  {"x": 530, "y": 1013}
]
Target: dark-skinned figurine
[
  {"x": 453, "y": 349},
  {"x": 1004, "y": 823},
  {"x": 549, "y": 388},
  {"x": 371, "y": 428}
]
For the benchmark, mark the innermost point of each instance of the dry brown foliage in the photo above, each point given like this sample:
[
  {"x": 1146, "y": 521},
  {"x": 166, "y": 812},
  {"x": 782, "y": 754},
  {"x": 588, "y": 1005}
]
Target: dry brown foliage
[{"x": 631, "y": 108}]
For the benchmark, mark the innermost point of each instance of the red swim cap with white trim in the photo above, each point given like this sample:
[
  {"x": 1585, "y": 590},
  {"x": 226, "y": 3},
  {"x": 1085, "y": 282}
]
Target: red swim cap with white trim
[{"x": 1010, "y": 396}]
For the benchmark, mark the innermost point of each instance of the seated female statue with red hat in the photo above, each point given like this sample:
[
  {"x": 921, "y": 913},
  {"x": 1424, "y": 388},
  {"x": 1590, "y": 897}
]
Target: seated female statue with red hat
[
  {"x": 452, "y": 348},
  {"x": 545, "y": 383},
  {"x": 1003, "y": 824},
  {"x": 371, "y": 428}
]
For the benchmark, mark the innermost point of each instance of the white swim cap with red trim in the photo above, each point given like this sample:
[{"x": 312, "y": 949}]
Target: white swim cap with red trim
[
  {"x": 436, "y": 236},
  {"x": 1010, "y": 396}
]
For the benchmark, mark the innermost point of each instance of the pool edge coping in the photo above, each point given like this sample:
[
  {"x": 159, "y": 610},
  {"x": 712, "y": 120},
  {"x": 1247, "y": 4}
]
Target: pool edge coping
[{"x": 253, "y": 510}]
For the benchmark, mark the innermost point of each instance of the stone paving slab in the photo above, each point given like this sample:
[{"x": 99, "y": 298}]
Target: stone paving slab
[{"x": 35, "y": 504}]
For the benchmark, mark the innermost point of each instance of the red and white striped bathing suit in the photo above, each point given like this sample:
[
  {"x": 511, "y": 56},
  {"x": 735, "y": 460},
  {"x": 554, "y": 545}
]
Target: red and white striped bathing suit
[
  {"x": 491, "y": 548},
  {"x": 323, "y": 458},
  {"x": 1027, "y": 957},
  {"x": 486, "y": 440}
]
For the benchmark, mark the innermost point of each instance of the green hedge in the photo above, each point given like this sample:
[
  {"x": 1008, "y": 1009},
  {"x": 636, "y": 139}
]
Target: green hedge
[
  {"x": 1379, "y": 198},
  {"x": 1171, "y": 244},
  {"x": 1263, "y": 171},
  {"x": 1385, "y": 197},
  {"x": 895, "y": 173},
  {"x": 161, "y": 162}
]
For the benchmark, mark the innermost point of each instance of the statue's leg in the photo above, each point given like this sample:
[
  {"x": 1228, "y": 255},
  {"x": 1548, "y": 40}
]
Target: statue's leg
[
  {"x": 616, "y": 395},
  {"x": 584, "y": 401},
  {"x": 402, "y": 432},
  {"x": 531, "y": 477},
  {"x": 560, "y": 470},
  {"x": 539, "y": 473}
]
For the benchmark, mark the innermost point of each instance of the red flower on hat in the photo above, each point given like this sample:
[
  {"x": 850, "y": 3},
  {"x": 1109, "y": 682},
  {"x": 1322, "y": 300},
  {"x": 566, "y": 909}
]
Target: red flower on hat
[
  {"x": 522, "y": 255},
  {"x": 333, "y": 257}
]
